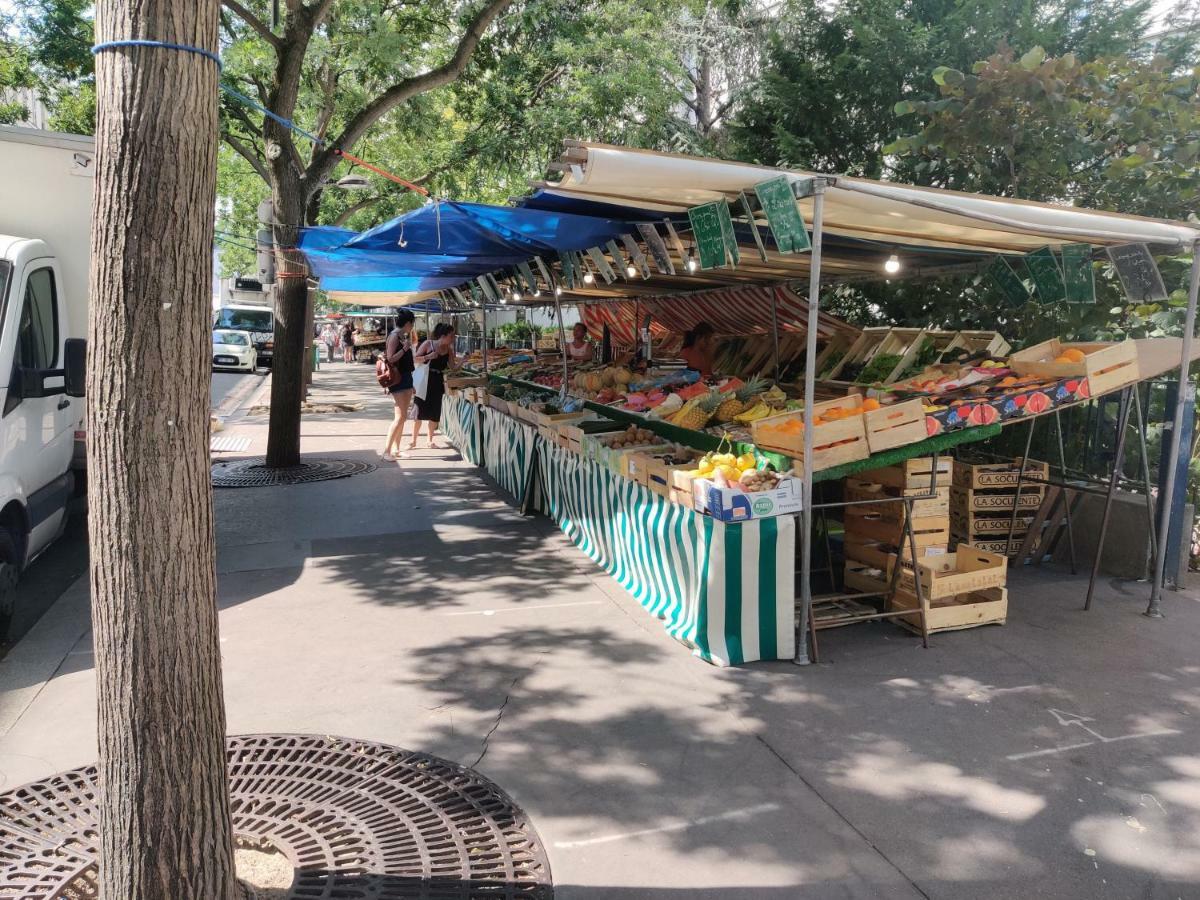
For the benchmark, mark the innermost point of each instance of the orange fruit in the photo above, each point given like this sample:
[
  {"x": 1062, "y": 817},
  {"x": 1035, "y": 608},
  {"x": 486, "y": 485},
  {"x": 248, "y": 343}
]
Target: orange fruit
[
  {"x": 870, "y": 404},
  {"x": 1073, "y": 354}
]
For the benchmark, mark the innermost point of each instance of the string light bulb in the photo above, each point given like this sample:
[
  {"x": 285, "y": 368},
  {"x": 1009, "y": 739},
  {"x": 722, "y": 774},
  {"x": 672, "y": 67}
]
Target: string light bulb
[
  {"x": 558, "y": 292},
  {"x": 631, "y": 270},
  {"x": 892, "y": 266},
  {"x": 588, "y": 278},
  {"x": 537, "y": 292},
  {"x": 516, "y": 295},
  {"x": 691, "y": 264}
]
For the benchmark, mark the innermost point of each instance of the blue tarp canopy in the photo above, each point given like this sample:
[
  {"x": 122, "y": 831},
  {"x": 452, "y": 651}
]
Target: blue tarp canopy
[{"x": 446, "y": 244}]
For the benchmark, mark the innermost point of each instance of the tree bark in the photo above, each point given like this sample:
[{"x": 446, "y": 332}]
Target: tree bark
[{"x": 164, "y": 810}]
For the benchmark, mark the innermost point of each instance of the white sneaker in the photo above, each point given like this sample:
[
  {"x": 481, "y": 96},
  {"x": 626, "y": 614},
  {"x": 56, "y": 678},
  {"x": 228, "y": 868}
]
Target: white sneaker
[{"x": 387, "y": 456}]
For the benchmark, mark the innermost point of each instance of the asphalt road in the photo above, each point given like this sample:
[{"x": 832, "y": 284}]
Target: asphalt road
[
  {"x": 225, "y": 383},
  {"x": 67, "y": 558}
]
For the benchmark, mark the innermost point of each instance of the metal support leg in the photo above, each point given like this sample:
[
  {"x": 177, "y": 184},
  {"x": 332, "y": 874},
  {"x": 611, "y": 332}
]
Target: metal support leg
[
  {"x": 912, "y": 549},
  {"x": 1140, "y": 427},
  {"x": 1114, "y": 479},
  {"x": 1012, "y": 522},
  {"x": 810, "y": 375},
  {"x": 1066, "y": 498},
  {"x": 1154, "y": 609}
]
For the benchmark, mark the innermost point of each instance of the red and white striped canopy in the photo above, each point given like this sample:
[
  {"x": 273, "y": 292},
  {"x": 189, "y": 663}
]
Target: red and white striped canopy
[{"x": 731, "y": 311}]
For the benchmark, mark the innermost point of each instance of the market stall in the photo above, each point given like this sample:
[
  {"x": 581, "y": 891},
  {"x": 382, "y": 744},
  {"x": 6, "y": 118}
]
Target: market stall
[{"x": 647, "y": 465}]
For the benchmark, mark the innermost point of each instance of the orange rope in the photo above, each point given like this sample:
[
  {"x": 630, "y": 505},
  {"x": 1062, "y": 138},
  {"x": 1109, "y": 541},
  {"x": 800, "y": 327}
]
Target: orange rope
[{"x": 378, "y": 171}]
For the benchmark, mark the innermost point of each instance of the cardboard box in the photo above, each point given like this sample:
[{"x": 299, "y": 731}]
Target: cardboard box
[{"x": 737, "y": 506}]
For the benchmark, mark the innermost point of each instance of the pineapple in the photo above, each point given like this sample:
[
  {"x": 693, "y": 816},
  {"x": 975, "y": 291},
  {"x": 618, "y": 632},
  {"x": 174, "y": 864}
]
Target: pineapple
[
  {"x": 734, "y": 403},
  {"x": 697, "y": 411}
]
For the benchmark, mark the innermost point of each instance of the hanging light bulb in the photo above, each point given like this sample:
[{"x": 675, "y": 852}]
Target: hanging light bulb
[
  {"x": 588, "y": 277},
  {"x": 892, "y": 266},
  {"x": 516, "y": 295},
  {"x": 558, "y": 292},
  {"x": 631, "y": 270},
  {"x": 692, "y": 265},
  {"x": 537, "y": 292}
]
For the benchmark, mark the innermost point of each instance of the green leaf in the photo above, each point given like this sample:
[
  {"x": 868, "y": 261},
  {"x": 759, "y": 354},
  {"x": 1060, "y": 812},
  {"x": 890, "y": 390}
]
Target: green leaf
[
  {"x": 1033, "y": 59},
  {"x": 904, "y": 108}
]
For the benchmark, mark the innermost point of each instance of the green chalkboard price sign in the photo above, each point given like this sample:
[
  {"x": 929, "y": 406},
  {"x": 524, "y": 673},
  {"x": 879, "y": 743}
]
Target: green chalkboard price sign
[
  {"x": 783, "y": 216},
  {"x": 1139, "y": 275},
  {"x": 1078, "y": 274},
  {"x": 1001, "y": 274},
  {"x": 709, "y": 232},
  {"x": 1047, "y": 276}
]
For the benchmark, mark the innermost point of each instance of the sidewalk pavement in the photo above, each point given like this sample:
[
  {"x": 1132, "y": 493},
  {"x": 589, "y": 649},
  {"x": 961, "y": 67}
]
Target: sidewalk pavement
[{"x": 1054, "y": 757}]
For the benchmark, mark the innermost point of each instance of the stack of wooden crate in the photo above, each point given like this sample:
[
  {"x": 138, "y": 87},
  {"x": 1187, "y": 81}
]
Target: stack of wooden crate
[
  {"x": 874, "y": 532},
  {"x": 982, "y": 500},
  {"x": 958, "y": 590}
]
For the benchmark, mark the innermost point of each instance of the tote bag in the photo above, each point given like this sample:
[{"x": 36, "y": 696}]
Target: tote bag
[{"x": 421, "y": 374}]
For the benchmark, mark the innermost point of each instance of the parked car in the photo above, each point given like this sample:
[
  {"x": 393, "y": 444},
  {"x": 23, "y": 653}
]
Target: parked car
[{"x": 234, "y": 350}]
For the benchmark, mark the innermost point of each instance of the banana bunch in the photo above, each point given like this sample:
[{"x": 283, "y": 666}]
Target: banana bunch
[{"x": 760, "y": 410}]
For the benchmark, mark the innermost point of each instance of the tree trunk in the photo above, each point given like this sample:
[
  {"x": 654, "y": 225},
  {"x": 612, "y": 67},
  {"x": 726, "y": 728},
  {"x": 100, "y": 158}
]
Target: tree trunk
[
  {"x": 291, "y": 302},
  {"x": 164, "y": 809}
]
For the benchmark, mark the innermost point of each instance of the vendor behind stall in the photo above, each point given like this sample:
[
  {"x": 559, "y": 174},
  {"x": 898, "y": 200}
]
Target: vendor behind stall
[
  {"x": 699, "y": 345},
  {"x": 579, "y": 348}
]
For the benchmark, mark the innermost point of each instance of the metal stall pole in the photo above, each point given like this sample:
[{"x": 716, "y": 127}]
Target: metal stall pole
[
  {"x": 483, "y": 317},
  {"x": 1140, "y": 425},
  {"x": 1113, "y": 481},
  {"x": 775, "y": 331},
  {"x": 1154, "y": 610},
  {"x": 810, "y": 375},
  {"x": 1016, "y": 510},
  {"x": 562, "y": 342},
  {"x": 1067, "y": 498}
]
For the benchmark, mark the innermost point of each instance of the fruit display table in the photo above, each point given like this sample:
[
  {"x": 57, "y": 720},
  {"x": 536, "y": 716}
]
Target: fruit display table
[{"x": 726, "y": 591}]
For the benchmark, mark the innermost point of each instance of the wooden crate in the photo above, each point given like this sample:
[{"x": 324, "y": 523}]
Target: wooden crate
[
  {"x": 857, "y": 576},
  {"x": 997, "y": 545},
  {"x": 659, "y": 477},
  {"x": 904, "y": 343},
  {"x": 865, "y": 345},
  {"x": 683, "y": 498},
  {"x": 969, "y": 569},
  {"x": 457, "y": 382},
  {"x": 834, "y": 443},
  {"x": 880, "y": 555},
  {"x": 617, "y": 459},
  {"x": 913, "y": 474},
  {"x": 857, "y": 489},
  {"x": 986, "y": 525},
  {"x": 988, "y": 342},
  {"x": 895, "y": 426},
  {"x": 1107, "y": 366},
  {"x": 963, "y": 501},
  {"x": 985, "y": 607},
  {"x": 866, "y": 523},
  {"x": 999, "y": 475},
  {"x": 499, "y": 404}
]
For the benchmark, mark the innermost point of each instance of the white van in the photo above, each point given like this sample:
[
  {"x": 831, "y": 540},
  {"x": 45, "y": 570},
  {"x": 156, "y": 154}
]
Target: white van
[{"x": 45, "y": 224}]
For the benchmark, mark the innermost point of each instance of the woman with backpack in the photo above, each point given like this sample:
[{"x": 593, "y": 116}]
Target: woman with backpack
[{"x": 396, "y": 367}]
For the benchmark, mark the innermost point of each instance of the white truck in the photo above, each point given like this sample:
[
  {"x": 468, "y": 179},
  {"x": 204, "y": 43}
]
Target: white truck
[{"x": 45, "y": 224}]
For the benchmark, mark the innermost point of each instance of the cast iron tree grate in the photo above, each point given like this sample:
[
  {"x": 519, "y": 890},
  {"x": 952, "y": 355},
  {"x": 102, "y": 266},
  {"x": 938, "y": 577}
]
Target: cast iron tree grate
[
  {"x": 254, "y": 472},
  {"x": 356, "y": 820}
]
